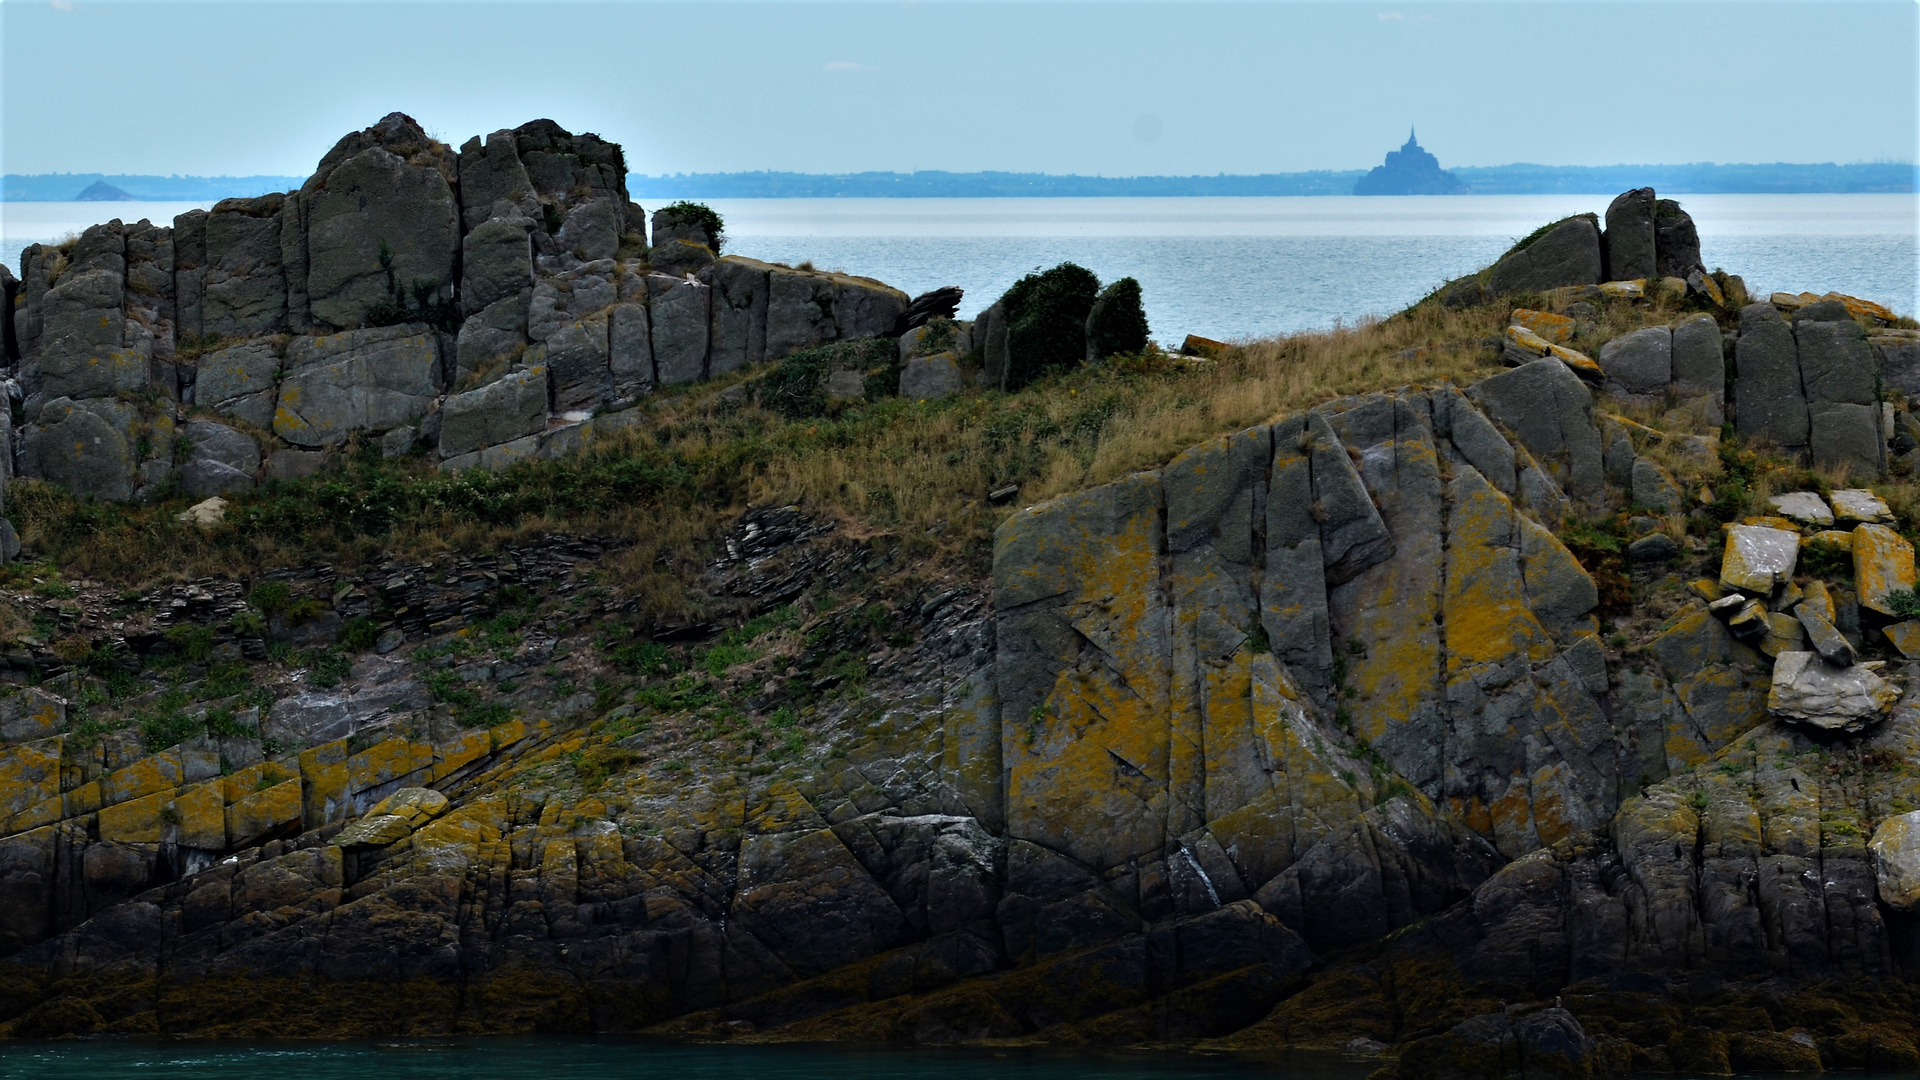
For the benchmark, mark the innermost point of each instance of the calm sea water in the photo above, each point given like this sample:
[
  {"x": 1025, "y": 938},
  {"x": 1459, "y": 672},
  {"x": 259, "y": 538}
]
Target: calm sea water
[
  {"x": 611, "y": 1059},
  {"x": 1243, "y": 267}
]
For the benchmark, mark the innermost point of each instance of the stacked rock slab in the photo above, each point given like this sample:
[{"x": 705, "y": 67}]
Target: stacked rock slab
[{"x": 401, "y": 274}]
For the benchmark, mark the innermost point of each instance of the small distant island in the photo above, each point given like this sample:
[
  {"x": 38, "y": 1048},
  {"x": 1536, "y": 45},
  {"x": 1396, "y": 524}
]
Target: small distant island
[
  {"x": 1410, "y": 170},
  {"x": 101, "y": 191}
]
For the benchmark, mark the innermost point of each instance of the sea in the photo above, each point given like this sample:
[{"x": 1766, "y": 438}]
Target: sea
[{"x": 1241, "y": 268}]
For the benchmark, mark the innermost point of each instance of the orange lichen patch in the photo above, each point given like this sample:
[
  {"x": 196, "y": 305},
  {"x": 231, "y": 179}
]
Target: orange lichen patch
[
  {"x": 1882, "y": 565},
  {"x": 1555, "y": 329},
  {"x": 323, "y": 771},
  {"x": 1580, "y": 362},
  {"x": 461, "y": 752},
  {"x": 29, "y": 775},
  {"x": 261, "y": 813},
  {"x": 1487, "y": 618},
  {"x": 1524, "y": 338},
  {"x": 385, "y": 762},
  {"x": 199, "y": 818},
  {"x": 143, "y": 777},
  {"x": 137, "y": 821}
]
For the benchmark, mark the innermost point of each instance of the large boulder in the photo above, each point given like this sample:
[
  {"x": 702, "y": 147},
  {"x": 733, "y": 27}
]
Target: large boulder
[
  {"x": 80, "y": 353},
  {"x": 239, "y": 382},
  {"x": 591, "y": 230},
  {"x": 491, "y": 173},
  {"x": 1768, "y": 400},
  {"x": 1567, "y": 253},
  {"x": 1882, "y": 566},
  {"x": 1630, "y": 235},
  {"x": 363, "y": 380},
  {"x": 83, "y": 447},
  {"x": 490, "y": 340},
  {"x": 1699, "y": 364},
  {"x": 512, "y": 407},
  {"x": 1896, "y": 861},
  {"x": 382, "y": 223},
  {"x": 930, "y": 378},
  {"x": 1675, "y": 240},
  {"x": 1758, "y": 558},
  {"x": 243, "y": 292},
  {"x": 1840, "y": 380},
  {"x": 497, "y": 262},
  {"x": 738, "y": 336},
  {"x": 1547, "y": 406},
  {"x": 1808, "y": 690},
  {"x": 1640, "y": 362},
  {"x": 679, "y": 318}
]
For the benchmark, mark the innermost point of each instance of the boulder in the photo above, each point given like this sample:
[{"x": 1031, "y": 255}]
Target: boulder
[
  {"x": 1805, "y": 507},
  {"x": 1567, "y": 253},
  {"x": 80, "y": 352},
  {"x": 1896, "y": 861},
  {"x": 206, "y": 514},
  {"x": 512, "y": 407},
  {"x": 1676, "y": 242},
  {"x": 1860, "y": 506},
  {"x": 218, "y": 442},
  {"x": 1758, "y": 558},
  {"x": 673, "y": 223},
  {"x": 576, "y": 361},
  {"x": 9, "y": 541},
  {"x": 496, "y": 263},
  {"x": 1658, "y": 547},
  {"x": 930, "y": 378},
  {"x": 490, "y": 173},
  {"x": 1655, "y": 489},
  {"x": 243, "y": 291},
  {"x": 630, "y": 350},
  {"x": 1832, "y": 646},
  {"x": 239, "y": 382},
  {"x": 1523, "y": 346},
  {"x": 490, "y": 341},
  {"x": 591, "y": 230},
  {"x": 1551, "y": 411},
  {"x": 83, "y": 447},
  {"x": 1640, "y": 362},
  {"x": 1882, "y": 565},
  {"x": 679, "y": 316},
  {"x": 204, "y": 477},
  {"x": 1897, "y": 355},
  {"x": 1837, "y": 369},
  {"x": 990, "y": 333},
  {"x": 362, "y": 380},
  {"x": 295, "y": 464},
  {"x": 381, "y": 227},
  {"x": 1808, "y": 690},
  {"x": 1768, "y": 401},
  {"x": 1554, "y": 329},
  {"x": 738, "y": 335},
  {"x": 1630, "y": 252}
]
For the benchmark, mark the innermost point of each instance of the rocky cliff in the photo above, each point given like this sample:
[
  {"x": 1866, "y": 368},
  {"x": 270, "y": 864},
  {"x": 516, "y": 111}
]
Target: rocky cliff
[{"x": 1551, "y": 717}]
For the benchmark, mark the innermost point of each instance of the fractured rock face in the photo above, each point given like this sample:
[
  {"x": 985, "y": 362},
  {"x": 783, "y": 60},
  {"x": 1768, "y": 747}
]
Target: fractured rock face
[
  {"x": 362, "y": 380},
  {"x": 1808, "y": 690},
  {"x": 381, "y": 223},
  {"x": 499, "y": 412},
  {"x": 1768, "y": 401}
]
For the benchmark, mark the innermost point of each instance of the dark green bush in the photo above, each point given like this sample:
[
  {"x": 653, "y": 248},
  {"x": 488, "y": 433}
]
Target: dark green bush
[
  {"x": 1118, "y": 322},
  {"x": 706, "y": 217},
  {"x": 797, "y": 387},
  {"x": 1047, "y": 322}
]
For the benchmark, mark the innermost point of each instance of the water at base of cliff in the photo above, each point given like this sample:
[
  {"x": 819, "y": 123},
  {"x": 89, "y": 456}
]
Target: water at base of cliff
[{"x": 618, "y": 1059}]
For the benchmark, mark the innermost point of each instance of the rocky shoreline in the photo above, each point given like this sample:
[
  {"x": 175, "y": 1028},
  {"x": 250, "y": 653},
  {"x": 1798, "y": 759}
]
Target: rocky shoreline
[{"x": 1557, "y": 721}]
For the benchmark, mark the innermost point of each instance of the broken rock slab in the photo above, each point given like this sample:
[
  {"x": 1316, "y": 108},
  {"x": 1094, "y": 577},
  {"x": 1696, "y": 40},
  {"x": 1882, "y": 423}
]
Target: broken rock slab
[
  {"x": 1860, "y": 506},
  {"x": 1808, "y": 690},
  {"x": 1759, "y": 558},
  {"x": 1805, "y": 507},
  {"x": 1882, "y": 566}
]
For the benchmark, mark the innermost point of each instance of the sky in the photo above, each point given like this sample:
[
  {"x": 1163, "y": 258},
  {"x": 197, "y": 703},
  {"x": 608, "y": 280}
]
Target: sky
[{"x": 1145, "y": 87}]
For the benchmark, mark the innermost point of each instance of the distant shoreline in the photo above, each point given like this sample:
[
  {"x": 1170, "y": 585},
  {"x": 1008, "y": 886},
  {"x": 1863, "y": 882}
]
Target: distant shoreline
[{"x": 1521, "y": 179}]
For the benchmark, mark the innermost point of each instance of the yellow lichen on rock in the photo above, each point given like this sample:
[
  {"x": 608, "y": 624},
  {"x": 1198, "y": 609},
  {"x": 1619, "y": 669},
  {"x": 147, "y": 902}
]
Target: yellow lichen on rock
[{"x": 1882, "y": 565}]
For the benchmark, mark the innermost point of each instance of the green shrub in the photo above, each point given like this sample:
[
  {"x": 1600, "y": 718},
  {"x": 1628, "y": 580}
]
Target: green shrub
[
  {"x": 1118, "y": 322},
  {"x": 359, "y": 634},
  {"x": 168, "y": 729},
  {"x": 193, "y": 641},
  {"x": 1047, "y": 322},
  {"x": 1904, "y": 603},
  {"x": 796, "y": 388},
  {"x": 271, "y": 596},
  {"x": 703, "y": 215}
]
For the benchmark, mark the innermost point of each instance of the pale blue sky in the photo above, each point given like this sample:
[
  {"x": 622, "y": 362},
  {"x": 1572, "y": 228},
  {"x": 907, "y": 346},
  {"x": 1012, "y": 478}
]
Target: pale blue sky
[{"x": 1112, "y": 88}]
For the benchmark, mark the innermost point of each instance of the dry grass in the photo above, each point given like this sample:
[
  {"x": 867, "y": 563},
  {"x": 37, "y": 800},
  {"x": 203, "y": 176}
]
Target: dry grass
[{"x": 916, "y": 471}]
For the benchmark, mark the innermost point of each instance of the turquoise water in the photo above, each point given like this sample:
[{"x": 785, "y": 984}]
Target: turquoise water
[
  {"x": 1243, "y": 267},
  {"x": 618, "y": 1059}
]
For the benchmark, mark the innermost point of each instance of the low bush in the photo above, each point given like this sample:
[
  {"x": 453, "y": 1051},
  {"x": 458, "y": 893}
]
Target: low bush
[
  {"x": 1117, "y": 325},
  {"x": 1047, "y": 322}
]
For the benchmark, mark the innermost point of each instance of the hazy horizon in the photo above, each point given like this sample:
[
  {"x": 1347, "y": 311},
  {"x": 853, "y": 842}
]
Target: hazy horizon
[{"x": 1112, "y": 90}]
